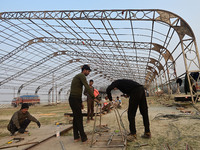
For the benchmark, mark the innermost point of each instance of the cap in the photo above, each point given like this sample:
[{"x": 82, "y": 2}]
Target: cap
[
  {"x": 86, "y": 67},
  {"x": 24, "y": 105}
]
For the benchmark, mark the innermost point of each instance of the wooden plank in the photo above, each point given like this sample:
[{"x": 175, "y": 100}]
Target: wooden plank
[{"x": 37, "y": 136}]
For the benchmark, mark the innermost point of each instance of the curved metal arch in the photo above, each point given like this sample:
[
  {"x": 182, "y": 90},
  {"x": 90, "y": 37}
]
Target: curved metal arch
[
  {"x": 130, "y": 14},
  {"x": 149, "y": 77},
  {"x": 100, "y": 43},
  {"x": 66, "y": 74},
  {"x": 54, "y": 69},
  {"x": 132, "y": 45},
  {"x": 153, "y": 61},
  {"x": 31, "y": 67},
  {"x": 142, "y": 15},
  {"x": 114, "y": 74},
  {"x": 49, "y": 72},
  {"x": 61, "y": 84},
  {"x": 44, "y": 60},
  {"x": 97, "y": 70},
  {"x": 160, "y": 67},
  {"x": 67, "y": 87},
  {"x": 153, "y": 74},
  {"x": 175, "y": 21},
  {"x": 63, "y": 75}
]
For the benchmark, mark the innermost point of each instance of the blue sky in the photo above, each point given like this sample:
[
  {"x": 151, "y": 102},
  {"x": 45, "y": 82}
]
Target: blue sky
[{"x": 187, "y": 9}]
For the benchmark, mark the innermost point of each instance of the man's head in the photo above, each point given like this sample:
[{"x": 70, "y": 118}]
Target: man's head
[
  {"x": 86, "y": 70},
  {"x": 91, "y": 82},
  {"x": 24, "y": 107},
  {"x": 117, "y": 97}
]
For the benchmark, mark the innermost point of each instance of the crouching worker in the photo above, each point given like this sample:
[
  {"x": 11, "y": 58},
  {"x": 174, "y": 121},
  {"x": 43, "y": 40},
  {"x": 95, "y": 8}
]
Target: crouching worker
[
  {"x": 21, "y": 119},
  {"x": 137, "y": 99}
]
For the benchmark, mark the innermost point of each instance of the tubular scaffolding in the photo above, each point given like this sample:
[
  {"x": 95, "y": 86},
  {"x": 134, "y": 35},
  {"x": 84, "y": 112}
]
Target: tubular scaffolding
[{"x": 153, "y": 47}]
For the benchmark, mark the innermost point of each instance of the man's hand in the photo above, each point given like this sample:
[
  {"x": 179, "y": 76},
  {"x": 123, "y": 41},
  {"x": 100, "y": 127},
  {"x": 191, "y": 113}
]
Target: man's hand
[
  {"x": 126, "y": 96},
  {"x": 96, "y": 100},
  {"x": 38, "y": 123},
  {"x": 110, "y": 103},
  {"x": 21, "y": 130},
  {"x": 82, "y": 106}
]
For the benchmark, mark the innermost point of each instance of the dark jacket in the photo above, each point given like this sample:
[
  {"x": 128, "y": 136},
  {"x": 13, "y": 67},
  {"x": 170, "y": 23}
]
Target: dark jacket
[
  {"x": 19, "y": 117},
  {"x": 124, "y": 85},
  {"x": 77, "y": 86}
]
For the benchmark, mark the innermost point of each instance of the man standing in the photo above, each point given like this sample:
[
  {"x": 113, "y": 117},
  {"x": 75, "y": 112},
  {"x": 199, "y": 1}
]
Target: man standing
[
  {"x": 90, "y": 102},
  {"x": 21, "y": 119},
  {"x": 75, "y": 101},
  {"x": 137, "y": 98}
]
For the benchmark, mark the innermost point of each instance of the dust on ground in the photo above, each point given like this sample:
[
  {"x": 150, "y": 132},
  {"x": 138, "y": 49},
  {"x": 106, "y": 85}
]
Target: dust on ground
[{"x": 173, "y": 125}]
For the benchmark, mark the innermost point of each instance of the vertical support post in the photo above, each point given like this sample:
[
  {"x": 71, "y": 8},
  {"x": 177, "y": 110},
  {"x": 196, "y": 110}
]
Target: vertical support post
[
  {"x": 56, "y": 94},
  {"x": 187, "y": 72},
  {"x": 161, "y": 82},
  {"x": 95, "y": 119},
  {"x": 156, "y": 85},
  {"x": 53, "y": 88}
]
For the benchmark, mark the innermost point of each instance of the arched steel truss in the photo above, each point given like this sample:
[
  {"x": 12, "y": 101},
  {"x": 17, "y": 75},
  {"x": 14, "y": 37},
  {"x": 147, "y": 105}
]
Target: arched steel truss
[
  {"x": 98, "y": 70},
  {"x": 158, "y": 48},
  {"x": 149, "y": 46}
]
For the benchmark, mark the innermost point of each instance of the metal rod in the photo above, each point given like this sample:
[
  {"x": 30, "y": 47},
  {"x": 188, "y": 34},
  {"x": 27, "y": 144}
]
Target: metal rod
[
  {"x": 119, "y": 124},
  {"x": 140, "y": 145},
  {"x": 100, "y": 116},
  {"x": 110, "y": 146},
  {"x": 107, "y": 140},
  {"x": 95, "y": 118},
  {"x": 62, "y": 145},
  {"x": 110, "y": 139}
]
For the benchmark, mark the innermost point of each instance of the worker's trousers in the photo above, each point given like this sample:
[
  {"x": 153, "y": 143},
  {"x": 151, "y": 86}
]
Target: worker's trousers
[
  {"x": 12, "y": 127},
  {"x": 138, "y": 98},
  {"x": 78, "y": 130},
  {"x": 90, "y": 108}
]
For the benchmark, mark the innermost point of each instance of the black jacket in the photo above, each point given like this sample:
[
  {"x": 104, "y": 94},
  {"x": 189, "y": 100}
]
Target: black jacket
[{"x": 124, "y": 85}]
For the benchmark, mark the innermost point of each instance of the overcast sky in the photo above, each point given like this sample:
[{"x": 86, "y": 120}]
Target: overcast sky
[{"x": 189, "y": 10}]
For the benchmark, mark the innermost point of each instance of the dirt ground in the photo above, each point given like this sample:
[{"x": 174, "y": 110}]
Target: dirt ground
[{"x": 174, "y": 125}]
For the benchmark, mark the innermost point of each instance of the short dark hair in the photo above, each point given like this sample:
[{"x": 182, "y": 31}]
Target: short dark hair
[
  {"x": 85, "y": 67},
  {"x": 25, "y": 105},
  {"x": 91, "y": 81}
]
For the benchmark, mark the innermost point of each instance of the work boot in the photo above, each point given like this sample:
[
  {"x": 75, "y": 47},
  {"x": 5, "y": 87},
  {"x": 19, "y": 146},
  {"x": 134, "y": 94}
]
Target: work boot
[
  {"x": 12, "y": 133},
  {"x": 131, "y": 137},
  {"x": 146, "y": 135}
]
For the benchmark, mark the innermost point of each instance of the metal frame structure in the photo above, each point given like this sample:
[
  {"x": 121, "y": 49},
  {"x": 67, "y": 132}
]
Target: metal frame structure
[{"x": 44, "y": 49}]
